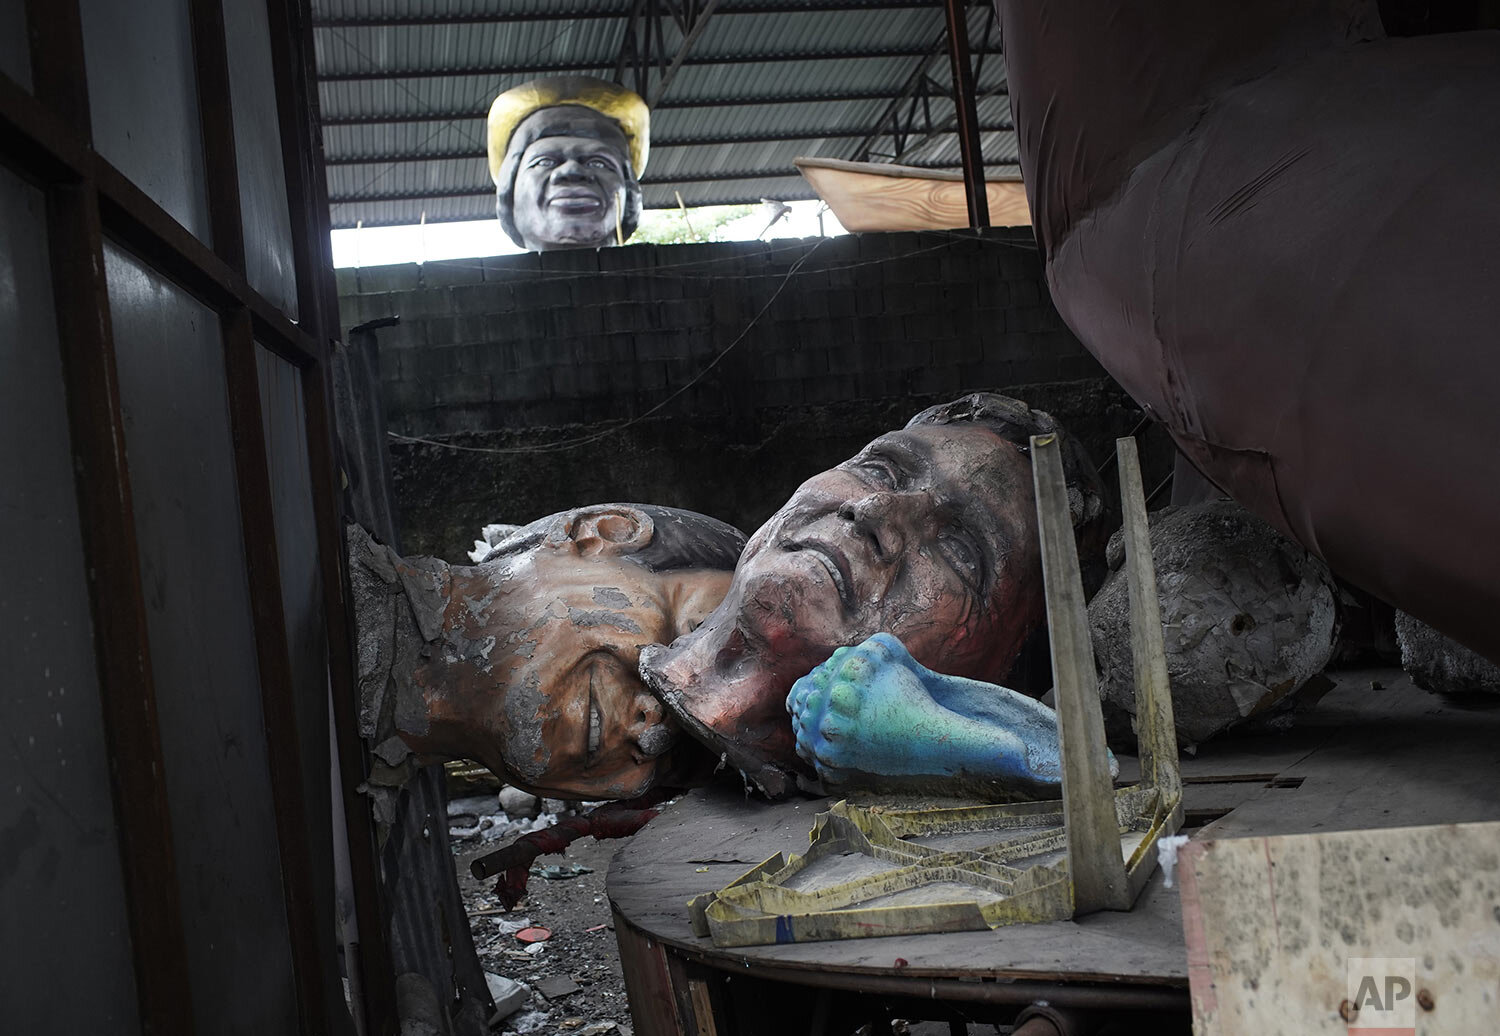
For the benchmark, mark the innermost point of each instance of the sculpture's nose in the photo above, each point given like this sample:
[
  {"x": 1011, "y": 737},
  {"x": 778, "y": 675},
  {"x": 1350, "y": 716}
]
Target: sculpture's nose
[
  {"x": 572, "y": 169},
  {"x": 647, "y": 728},
  {"x": 886, "y": 517}
]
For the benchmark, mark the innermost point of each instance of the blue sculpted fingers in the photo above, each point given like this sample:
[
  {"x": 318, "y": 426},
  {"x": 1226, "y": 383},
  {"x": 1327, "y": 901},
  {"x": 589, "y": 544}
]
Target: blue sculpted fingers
[
  {"x": 873, "y": 711},
  {"x": 855, "y": 712}
]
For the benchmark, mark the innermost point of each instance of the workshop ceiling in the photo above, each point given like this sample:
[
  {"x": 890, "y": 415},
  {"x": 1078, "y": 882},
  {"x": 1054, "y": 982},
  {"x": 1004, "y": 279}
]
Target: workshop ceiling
[{"x": 738, "y": 88}]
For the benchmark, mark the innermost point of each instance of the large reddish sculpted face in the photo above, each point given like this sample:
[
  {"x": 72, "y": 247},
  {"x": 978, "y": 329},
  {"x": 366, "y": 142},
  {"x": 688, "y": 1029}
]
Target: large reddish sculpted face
[{"x": 928, "y": 533}]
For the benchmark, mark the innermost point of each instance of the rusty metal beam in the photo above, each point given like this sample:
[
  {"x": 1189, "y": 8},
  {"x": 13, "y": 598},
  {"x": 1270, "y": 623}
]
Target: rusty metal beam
[{"x": 968, "y": 118}]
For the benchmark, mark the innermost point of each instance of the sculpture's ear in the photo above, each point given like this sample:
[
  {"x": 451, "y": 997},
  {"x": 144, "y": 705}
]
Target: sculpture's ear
[{"x": 609, "y": 529}]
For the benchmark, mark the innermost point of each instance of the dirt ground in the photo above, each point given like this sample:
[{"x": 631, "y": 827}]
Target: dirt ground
[
  {"x": 570, "y": 908},
  {"x": 573, "y": 909}
]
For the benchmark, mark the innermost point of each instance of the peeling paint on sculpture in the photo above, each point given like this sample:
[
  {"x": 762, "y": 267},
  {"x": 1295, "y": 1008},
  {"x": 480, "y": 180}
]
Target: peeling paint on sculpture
[
  {"x": 527, "y": 661},
  {"x": 566, "y": 154},
  {"x": 929, "y": 533}
]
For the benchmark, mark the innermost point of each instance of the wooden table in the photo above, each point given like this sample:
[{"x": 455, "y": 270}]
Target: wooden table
[{"x": 1374, "y": 752}]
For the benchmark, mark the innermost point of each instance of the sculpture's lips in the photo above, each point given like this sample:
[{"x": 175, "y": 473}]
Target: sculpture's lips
[
  {"x": 834, "y": 561},
  {"x": 752, "y": 734},
  {"x": 576, "y": 200}
]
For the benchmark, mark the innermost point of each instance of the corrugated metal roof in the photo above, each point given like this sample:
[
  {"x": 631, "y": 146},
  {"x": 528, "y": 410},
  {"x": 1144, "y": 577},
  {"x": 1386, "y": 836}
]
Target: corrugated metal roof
[{"x": 405, "y": 85}]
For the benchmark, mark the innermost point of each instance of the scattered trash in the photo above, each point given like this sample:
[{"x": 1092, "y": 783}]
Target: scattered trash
[
  {"x": 508, "y": 994},
  {"x": 558, "y": 872},
  {"x": 554, "y": 987},
  {"x": 535, "y": 934},
  {"x": 900, "y": 962},
  {"x": 700, "y": 870},
  {"x": 596, "y": 928},
  {"x": 535, "y": 948},
  {"x": 570, "y": 1023},
  {"x": 517, "y": 803},
  {"x": 531, "y": 1021},
  {"x": 598, "y": 1028},
  {"x": 1166, "y": 856}
]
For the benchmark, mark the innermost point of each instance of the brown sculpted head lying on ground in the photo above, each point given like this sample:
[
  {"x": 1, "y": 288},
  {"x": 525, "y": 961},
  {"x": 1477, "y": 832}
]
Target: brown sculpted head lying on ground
[
  {"x": 527, "y": 661},
  {"x": 928, "y": 533}
]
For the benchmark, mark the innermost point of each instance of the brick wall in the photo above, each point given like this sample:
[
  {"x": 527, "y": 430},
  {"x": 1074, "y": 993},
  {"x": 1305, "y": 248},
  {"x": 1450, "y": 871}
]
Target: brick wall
[
  {"x": 574, "y": 337},
  {"x": 581, "y": 377}
]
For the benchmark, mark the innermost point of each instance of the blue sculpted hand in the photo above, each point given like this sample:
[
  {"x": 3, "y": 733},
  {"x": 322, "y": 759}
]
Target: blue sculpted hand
[{"x": 873, "y": 712}]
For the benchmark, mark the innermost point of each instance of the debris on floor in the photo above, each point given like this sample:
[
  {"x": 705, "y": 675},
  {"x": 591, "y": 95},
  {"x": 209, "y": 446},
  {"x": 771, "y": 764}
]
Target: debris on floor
[
  {"x": 559, "y": 873},
  {"x": 581, "y": 950},
  {"x": 508, "y": 994},
  {"x": 555, "y": 987}
]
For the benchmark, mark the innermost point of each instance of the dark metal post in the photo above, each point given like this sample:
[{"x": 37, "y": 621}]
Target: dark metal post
[
  {"x": 258, "y": 522},
  {"x": 121, "y": 640},
  {"x": 317, "y": 305},
  {"x": 968, "y": 117}
]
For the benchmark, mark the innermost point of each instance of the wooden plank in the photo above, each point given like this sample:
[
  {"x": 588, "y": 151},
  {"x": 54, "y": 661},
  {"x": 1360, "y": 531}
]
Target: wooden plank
[
  {"x": 1357, "y": 752},
  {"x": 1094, "y": 861},
  {"x": 1156, "y": 732},
  {"x": 721, "y": 830},
  {"x": 1284, "y": 932},
  {"x": 867, "y": 196},
  {"x": 648, "y": 983}
]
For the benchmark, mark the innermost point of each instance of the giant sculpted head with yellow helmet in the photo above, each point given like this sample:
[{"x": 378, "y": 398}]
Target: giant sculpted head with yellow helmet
[{"x": 566, "y": 154}]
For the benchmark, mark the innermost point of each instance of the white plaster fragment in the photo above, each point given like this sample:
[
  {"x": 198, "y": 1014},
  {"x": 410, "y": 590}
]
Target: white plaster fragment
[{"x": 1166, "y": 856}]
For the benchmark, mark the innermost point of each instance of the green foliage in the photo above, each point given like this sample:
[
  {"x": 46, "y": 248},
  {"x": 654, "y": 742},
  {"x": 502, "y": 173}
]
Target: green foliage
[{"x": 674, "y": 227}]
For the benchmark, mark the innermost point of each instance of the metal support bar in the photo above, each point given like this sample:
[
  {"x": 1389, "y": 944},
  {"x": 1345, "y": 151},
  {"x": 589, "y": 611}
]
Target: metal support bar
[
  {"x": 968, "y": 118},
  {"x": 43, "y": 147},
  {"x": 695, "y": 31},
  {"x": 121, "y": 637},
  {"x": 398, "y": 118},
  {"x": 317, "y": 305},
  {"x": 595, "y": 14},
  {"x": 216, "y": 122},
  {"x": 1095, "y": 861},
  {"x": 59, "y": 112},
  {"x": 501, "y": 71},
  {"x": 258, "y": 524},
  {"x": 628, "y": 45},
  {"x": 482, "y": 192},
  {"x": 891, "y": 114},
  {"x": 283, "y": 745},
  {"x": 831, "y": 133}
]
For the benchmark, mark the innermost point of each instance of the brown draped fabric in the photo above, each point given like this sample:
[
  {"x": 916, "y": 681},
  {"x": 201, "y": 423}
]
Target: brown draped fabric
[{"x": 1280, "y": 232}]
